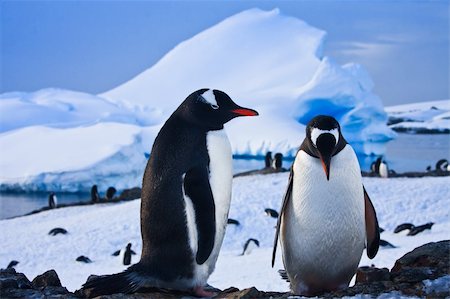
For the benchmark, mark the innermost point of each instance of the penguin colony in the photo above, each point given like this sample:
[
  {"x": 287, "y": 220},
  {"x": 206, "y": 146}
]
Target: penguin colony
[{"x": 187, "y": 182}]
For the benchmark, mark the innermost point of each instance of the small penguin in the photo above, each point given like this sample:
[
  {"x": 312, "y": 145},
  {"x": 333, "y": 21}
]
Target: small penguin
[
  {"x": 418, "y": 229},
  {"x": 278, "y": 161},
  {"x": 233, "y": 221},
  {"x": 326, "y": 218},
  {"x": 375, "y": 166},
  {"x": 383, "y": 170},
  {"x": 52, "y": 200},
  {"x": 384, "y": 243},
  {"x": 268, "y": 160},
  {"x": 110, "y": 193},
  {"x": 57, "y": 230},
  {"x": 186, "y": 194},
  {"x": 442, "y": 165},
  {"x": 249, "y": 245},
  {"x": 125, "y": 254},
  {"x": 271, "y": 212},
  {"x": 94, "y": 194},
  {"x": 83, "y": 259},
  {"x": 12, "y": 264},
  {"x": 402, "y": 227}
]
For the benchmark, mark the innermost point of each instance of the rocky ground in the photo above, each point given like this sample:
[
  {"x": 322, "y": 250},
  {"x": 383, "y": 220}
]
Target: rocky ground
[{"x": 423, "y": 272}]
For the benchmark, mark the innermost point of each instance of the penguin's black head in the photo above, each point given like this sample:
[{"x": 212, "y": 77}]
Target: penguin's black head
[
  {"x": 211, "y": 108},
  {"x": 128, "y": 245},
  {"x": 324, "y": 140}
]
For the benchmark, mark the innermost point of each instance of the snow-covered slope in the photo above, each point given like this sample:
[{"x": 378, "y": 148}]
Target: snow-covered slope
[
  {"x": 425, "y": 117},
  {"x": 262, "y": 59},
  {"x": 97, "y": 231},
  {"x": 64, "y": 109}
]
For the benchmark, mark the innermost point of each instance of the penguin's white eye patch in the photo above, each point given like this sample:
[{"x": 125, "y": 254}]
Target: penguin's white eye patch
[
  {"x": 315, "y": 133},
  {"x": 210, "y": 98}
]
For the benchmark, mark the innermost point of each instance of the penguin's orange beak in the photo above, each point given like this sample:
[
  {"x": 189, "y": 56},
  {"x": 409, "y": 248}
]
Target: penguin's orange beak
[{"x": 244, "y": 112}]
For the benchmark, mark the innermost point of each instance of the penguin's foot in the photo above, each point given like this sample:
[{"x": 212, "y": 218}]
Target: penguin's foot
[{"x": 199, "y": 291}]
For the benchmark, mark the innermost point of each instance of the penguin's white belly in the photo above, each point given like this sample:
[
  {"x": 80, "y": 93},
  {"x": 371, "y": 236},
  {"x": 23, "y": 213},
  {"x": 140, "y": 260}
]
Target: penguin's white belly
[
  {"x": 323, "y": 227},
  {"x": 221, "y": 176}
]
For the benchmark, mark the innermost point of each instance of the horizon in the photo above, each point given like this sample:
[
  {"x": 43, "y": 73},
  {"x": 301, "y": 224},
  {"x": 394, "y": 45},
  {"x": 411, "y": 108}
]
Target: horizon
[{"x": 392, "y": 40}]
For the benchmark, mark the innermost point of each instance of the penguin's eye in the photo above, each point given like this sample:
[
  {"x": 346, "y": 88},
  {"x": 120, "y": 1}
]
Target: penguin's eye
[{"x": 215, "y": 107}]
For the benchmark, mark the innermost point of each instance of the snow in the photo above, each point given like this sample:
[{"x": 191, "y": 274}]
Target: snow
[
  {"x": 97, "y": 231},
  {"x": 433, "y": 116},
  {"x": 262, "y": 59}
]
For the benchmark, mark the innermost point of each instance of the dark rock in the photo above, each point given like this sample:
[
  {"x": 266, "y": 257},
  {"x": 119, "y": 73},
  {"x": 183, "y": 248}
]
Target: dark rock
[
  {"x": 372, "y": 274},
  {"x": 47, "y": 279},
  {"x": 429, "y": 256},
  {"x": 17, "y": 285},
  {"x": 130, "y": 194}
]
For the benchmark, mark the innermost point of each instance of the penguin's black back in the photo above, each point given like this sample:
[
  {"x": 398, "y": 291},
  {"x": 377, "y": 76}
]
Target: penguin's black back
[{"x": 179, "y": 147}]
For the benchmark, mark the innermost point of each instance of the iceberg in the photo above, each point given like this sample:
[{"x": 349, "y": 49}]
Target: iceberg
[{"x": 262, "y": 59}]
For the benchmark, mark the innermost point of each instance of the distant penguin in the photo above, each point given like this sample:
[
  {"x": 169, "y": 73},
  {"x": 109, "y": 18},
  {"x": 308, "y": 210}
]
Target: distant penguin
[
  {"x": 384, "y": 169},
  {"x": 268, "y": 160},
  {"x": 402, "y": 227},
  {"x": 327, "y": 202},
  {"x": 12, "y": 264},
  {"x": 271, "y": 212},
  {"x": 418, "y": 229},
  {"x": 233, "y": 221},
  {"x": 110, "y": 193},
  {"x": 94, "y": 194},
  {"x": 375, "y": 166},
  {"x": 57, "y": 230},
  {"x": 125, "y": 254},
  {"x": 384, "y": 243},
  {"x": 278, "y": 161},
  {"x": 83, "y": 259},
  {"x": 442, "y": 165},
  {"x": 428, "y": 168},
  {"x": 52, "y": 200},
  {"x": 249, "y": 245},
  {"x": 186, "y": 195}
]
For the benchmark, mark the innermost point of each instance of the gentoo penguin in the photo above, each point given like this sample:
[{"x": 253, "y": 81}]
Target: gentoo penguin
[
  {"x": 278, "y": 161},
  {"x": 418, "y": 229},
  {"x": 83, "y": 259},
  {"x": 233, "y": 221},
  {"x": 249, "y": 245},
  {"x": 384, "y": 243},
  {"x": 402, "y": 227},
  {"x": 94, "y": 194},
  {"x": 268, "y": 160},
  {"x": 12, "y": 264},
  {"x": 125, "y": 254},
  {"x": 326, "y": 218},
  {"x": 110, "y": 193},
  {"x": 383, "y": 171},
  {"x": 52, "y": 200},
  {"x": 57, "y": 230},
  {"x": 186, "y": 193},
  {"x": 442, "y": 165},
  {"x": 271, "y": 212}
]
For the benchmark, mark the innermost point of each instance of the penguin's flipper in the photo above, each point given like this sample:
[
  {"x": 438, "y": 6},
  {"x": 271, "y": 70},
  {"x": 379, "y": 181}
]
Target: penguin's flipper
[
  {"x": 116, "y": 253},
  {"x": 286, "y": 198},
  {"x": 132, "y": 252},
  {"x": 372, "y": 228},
  {"x": 198, "y": 189}
]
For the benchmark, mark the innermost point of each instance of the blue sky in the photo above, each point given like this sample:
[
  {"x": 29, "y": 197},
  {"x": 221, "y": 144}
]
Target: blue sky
[{"x": 93, "y": 46}]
